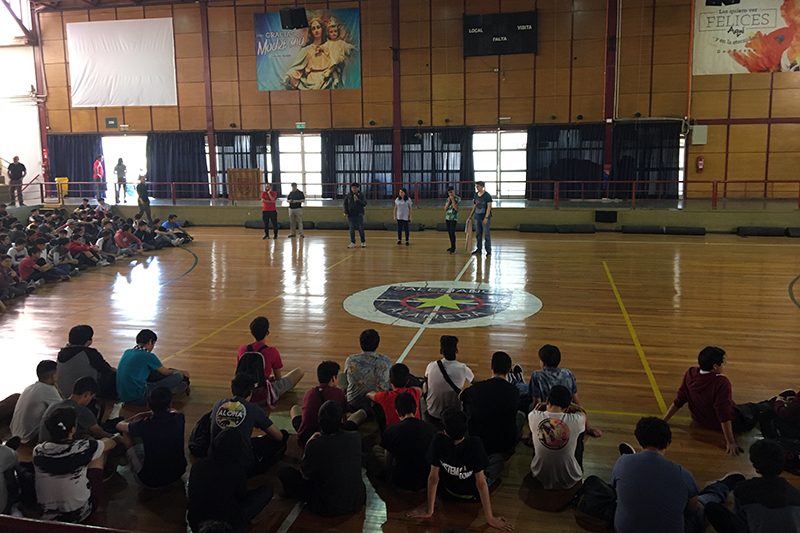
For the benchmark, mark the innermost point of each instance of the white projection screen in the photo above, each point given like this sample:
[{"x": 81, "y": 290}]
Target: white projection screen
[{"x": 122, "y": 63}]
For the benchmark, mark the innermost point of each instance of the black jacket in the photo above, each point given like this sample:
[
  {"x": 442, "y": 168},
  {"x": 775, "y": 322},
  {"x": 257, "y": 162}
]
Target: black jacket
[{"x": 353, "y": 206}]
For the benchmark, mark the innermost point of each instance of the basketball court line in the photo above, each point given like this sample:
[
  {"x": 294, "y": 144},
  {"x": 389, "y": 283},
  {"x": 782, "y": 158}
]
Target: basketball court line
[
  {"x": 430, "y": 317},
  {"x": 240, "y": 317},
  {"x": 635, "y": 338},
  {"x": 792, "y": 285}
]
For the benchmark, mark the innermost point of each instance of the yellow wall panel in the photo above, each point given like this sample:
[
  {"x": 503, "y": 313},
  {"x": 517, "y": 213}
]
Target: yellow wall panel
[
  {"x": 188, "y": 45},
  {"x": 138, "y": 118},
  {"x": 447, "y": 112},
  {"x": 224, "y": 116},
  {"x": 102, "y": 14},
  {"x": 448, "y": 87},
  {"x": 222, "y": 44},
  {"x": 225, "y": 93},
  {"x": 589, "y": 25},
  {"x": 249, "y": 95},
  {"x": 553, "y": 82},
  {"x": 548, "y": 107},
  {"x": 672, "y": 49},
  {"x": 377, "y": 89},
  {"x": 587, "y": 81},
  {"x": 317, "y": 116},
  {"x": 415, "y": 34},
  {"x": 710, "y": 83},
  {"x": 746, "y": 166},
  {"x": 710, "y": 104},
  {"x": 447, "y": 35},
  {"x": 221, "y": 19},
  {"x": 255, "y": 117},
  {"x": 415, "y": 88},
  {"x": 411, "y": 113},
  {"x": 380, "y": 113},
  {"x": 247, "y": 68},
  {"x": 56, "y": 74},
  {"x": 750, "y": 104},
  {"x": 414, "y": 10},
  {"x": 315, "y": 97},
  {"x": 669, "y": 78},
  {"x": 285, "y": 116},
  {"x": 447, "y": 60},
  {"x": 672, "y": 20},
  {"x": 482, "y": 112},
  {"x": 475, "y": 7},
  {"x": 224, "y": 69},
  {"x": 669, "y": 104},
  {"x": 447, "y": 10},
  {"x": 748, "y": 138},
  {"x": 84, "y": 120},
  {"x": 520, "y": 110},
  {"x": 786, "y": 103},
  {"x": 784, "y": 138},
  {"x": 346, "y": 96},
  {"x": 166, "y": 119},
  {"x": 347, "y": 115},
  {"x": 186, "y": 19},
  {"x": 516, "y": 84},
  {"x": 633, "y": 79},
  {"x": 246, "y": 43},
  {"x": 53, "y": 52},
  {"x": 786, "y": 80},
  {"x": 191, "y": 94},
  {"x": 415, "y": 61},
  {"x": 591, "y": 107},
  {"x": 58, "y": 121},
  {"x": 245, "y": 17},
  {"x": 555, "y": 26},
  {"x": 51, "y": 27},
  {"x": 481, "y": 85},
  {"x": 632, "y": 103},
  {"x": 157, "y": 12},
  {"x": 58, "y": 98},
  {"x": 131, "y": 13},
  {"x": 783, "y": 166},
  {"x": 757, "y": 80},
  {"x": 284, "y": 97},
  {"x": 189, "y": 69}
]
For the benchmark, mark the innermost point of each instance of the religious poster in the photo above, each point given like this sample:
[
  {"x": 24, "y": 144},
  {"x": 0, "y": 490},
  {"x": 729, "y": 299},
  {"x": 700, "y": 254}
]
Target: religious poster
[
  {"x": 741, "y": 36},
  {"x": 326, "y": 55}
]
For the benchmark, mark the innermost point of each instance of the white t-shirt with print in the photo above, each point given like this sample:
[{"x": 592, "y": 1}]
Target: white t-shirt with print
[
  {"x": 440, "y": 395},
  {"x": 555, "y": 437}
]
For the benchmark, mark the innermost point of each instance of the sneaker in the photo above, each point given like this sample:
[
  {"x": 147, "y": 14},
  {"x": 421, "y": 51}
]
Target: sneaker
[
  {"x": 488, "y": 253},
  {"x": 399, "y": 242},
  {"x": 731, "y": 479},
  {"x": 351, "y": 245},
  {"x": 407, "y": 244},
  {"x": 265, "y": 237},
  {"x": 103, "y": 263},
  {"x": 117, "y": 407},
  {"x": 476, "y": 252},
  {"x": 290, "y": 236},
  {"x": 302, "y": 236},
  {"x": 452, "y": 251},
  {"x": 40, "y": 282},
  {"x": 75, "y": 272},
  {"x": 625, "y": 449},
  {"x": 363, "y": 245}
]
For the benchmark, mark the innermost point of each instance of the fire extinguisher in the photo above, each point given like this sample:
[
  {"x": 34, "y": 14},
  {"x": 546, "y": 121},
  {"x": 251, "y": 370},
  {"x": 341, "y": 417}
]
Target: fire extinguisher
[{"x": 699, "y": 163}]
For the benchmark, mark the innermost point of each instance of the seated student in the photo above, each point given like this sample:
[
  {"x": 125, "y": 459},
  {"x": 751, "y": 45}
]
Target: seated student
[
  {"x": 273, "y": 365},
  {"x": 175, "y": 228},
  {"x": 766, "y": 504},
  {"x": 708, "y": 392},
  {"x": 217, "y": 488},
  {"x": 139, "y": 371},
  {"x": 780, "y": 416},
  {"x": 149, "y": 240},
  {"x": 44, "y": 260},
  {"x": 33, "y": 402},
  {"x": 550, "y": 375},
  {"x": 69, "y": 471},
  {"x": 399, "y": 375},
  {"x": 491, "y": 408},
  {"x": 5, "y": 243},
  {"x": 655, "y": 494},
  {"x": 10, "y": 285},
  {"x": 304, "y": 419},
  {"x": 30, "y": 269},
  {"x": 128, "y": 243},
  {"x": 84, "y": 253},
  {"x": 366, "y": 371},
  {"x": 238, "y": 413},
  {"x": 329, "y": 479},
  {"x": 78, "y": 359},
  {"x": 406, "y": 445},
  {"x": 60, "y": 257},
  {"x": 445, "y": 379},
  {"x": 108, "y": 249},
  {"x": 86, "y": 425},
  {"x": 557, "y": 456},
  {"x": 458, "y": 461},
  {"x": 8, "y": 460},
  {"x": 154, "y": 441},
  {"x": 18, "y": 252}
]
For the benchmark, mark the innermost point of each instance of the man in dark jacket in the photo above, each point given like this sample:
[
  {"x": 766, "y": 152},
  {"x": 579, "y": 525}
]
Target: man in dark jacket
[
  {"x": 78, "y": 359},
  {"x": 354, "y": 204}
]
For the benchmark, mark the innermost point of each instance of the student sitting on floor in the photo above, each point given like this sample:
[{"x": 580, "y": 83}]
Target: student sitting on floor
[
  {"x": 59, "y": 256},
  {"x": 366, "y": 371},
  {"x": 708, "y": 392},
  {"x": 557, "y": 441},
  {"x": 399, "y": 375},
  {"x": 402, "y": 455},
  {"x": 30, "y": 269},
  {"x": 139, "y": 371},
  {"x": 78, "y": 359},
  {"x": 127, "y": 242},
  {"x": 237, "y": 412},
  {"x": 69, "y": 471},
  {"x": 459, "y": 461},
  {"x": 33, "y": 402},
  {"x": 86, "y": 426},
  {"x": 304, "y": 419},
  {"x": 217, "y": 488},
  {"x": 446, "y": 379},
  {"x": 491, "y": 408},
  {"x": 176, "y": 228},
  {"x": 766, "y": 504},
  {"x": 279, "y": 385},
  {"x": 329, "y": 479},
  {"x": 8, "y": 460},
  {"x": 154, "y": 441},
  {"x": 10, "y": 285}
]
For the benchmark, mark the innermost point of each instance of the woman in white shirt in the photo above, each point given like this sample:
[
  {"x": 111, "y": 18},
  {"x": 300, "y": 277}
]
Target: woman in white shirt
[{"x": 402, "y": 214}]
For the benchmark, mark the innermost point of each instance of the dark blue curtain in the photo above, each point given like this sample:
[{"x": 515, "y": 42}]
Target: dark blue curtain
[
  {"x": 362, "y": 156},
  {"x": 646, "y": 153},
  {"x": 72, "y": 156},
  {"x": 177, "y": 157},
  {"x": 565, "y": 152},
  {"x": 276, "y": 162},
  {"x": 436, "y": 158}
]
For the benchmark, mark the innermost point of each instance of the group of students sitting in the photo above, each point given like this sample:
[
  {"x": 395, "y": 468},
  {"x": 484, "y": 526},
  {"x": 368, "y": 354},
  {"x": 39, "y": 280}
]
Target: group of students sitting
[
  {"x": 55, "y": 245},
  {"x": 442, "y": 432}
]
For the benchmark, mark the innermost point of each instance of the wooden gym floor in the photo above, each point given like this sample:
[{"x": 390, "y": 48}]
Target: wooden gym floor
[{"x": 629, "y": 313}]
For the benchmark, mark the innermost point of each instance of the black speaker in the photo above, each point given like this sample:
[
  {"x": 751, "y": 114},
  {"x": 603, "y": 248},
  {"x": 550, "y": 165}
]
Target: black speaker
[
  {"x": 608, "y": 217},
  {"x": 293, "y": 18}
]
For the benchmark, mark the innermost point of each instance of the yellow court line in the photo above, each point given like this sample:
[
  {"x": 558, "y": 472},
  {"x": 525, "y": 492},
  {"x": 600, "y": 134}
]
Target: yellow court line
[
  {"x": 637, "y": 415},
  {"x": 635, "y": 338},
  {"x": 240, "y": 317}
]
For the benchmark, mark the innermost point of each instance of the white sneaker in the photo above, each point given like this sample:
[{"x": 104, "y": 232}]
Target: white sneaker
[
  {"x": 103, "y": 263},
  {"x": 39, "y": 282},
  {"x": 115, "y": 410},
  {"x": 351, "y": 245},
  {"x": 363, "y": 245}
]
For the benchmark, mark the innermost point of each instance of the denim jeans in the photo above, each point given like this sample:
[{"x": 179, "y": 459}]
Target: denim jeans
[
  {"x": 174, "y": 382},
  {"x": 482, "y": 231},
  {"x": 402, "y": 226},
  {"x": 356, "y": 223},
  {"x": 451, "y": 232}
]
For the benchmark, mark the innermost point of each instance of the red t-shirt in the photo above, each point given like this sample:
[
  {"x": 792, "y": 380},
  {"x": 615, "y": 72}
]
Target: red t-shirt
[
  {"x": 312, "y": 401},
  {"x": 76, "y": 247},
  {"x": 386, "y": 400},
  {"x": 99, "y": 173},
  {"x": 26, "y": 267},
  {"x": 268, "y": 201},
  {"x": 272, "y": 357},
  {"x": 708, "y": 396}
]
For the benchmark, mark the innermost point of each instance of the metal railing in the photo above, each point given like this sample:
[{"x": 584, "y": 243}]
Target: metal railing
[{"x": 632, "y": 193}]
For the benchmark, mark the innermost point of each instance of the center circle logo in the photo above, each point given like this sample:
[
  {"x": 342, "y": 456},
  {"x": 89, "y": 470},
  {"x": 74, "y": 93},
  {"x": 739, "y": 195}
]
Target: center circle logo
[{"x": 442, "y": 304}]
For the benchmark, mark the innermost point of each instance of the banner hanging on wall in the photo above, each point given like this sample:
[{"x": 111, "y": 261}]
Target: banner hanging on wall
[
  {"x": 326, "y": 55},
  {"x": 746, "y": 36}
]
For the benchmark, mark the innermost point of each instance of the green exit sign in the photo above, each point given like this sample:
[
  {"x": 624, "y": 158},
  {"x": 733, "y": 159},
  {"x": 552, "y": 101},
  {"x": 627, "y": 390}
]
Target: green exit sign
[{"x": 300, "y": 125}]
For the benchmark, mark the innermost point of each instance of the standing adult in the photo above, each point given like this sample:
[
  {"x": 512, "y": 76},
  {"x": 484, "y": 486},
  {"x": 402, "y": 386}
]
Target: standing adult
[
  {"x": 451, "y": 216},
  {"x": 99, "y": 176},
  {"x": 121, "y": 171},
  {"x": 402, "y": 214},
  {"x": 16, "y": 171},
  {"x": 143, "y": 199},
  {"x": 296, "y": 199},
  {"x": 269, "y": 212},
  {"x": 354, "y": 204},
  {"x": 481, "y": 216}
]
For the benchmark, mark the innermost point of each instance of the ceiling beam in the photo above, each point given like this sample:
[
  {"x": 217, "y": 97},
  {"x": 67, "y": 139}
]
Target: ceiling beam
[{"x": 25, "y": 30}]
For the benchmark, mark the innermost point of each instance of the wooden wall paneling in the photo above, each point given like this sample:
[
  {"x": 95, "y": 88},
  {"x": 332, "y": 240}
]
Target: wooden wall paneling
[
  {"x": 167, "y": 119},
  {"x": 188, "y": 45},
  {"x": 671, "y": 49},
  {"x": 552, "y": 55},
  {"x": 191, "y": 94},
  {"x": 589, "y": 25},
  {"x": 221, "y": 19},
  {"x": 249, "y": 95},
  {"x": 447, "y": 34},
  {"x": 376, "y": 63},
  {"x": 186, "y": 18},
  {"x": 589, "y": 5},
  {"x": 346, "y": 114},
  {"x": 284, "y": 98},
  {"x": 750, "y": 104},
  {"x": 225, "y": 115},
  {"x": 475, "y": 7},
  {"x": 245, "y": 17},
  {"x": 414, "y": 61},
  {"x": 377, "y": 89},
  {"x": 588, "y": 106},
  {"x": 784, "y": 138},
  {"x": 447, "y": 10},
  {"x": 377, "y": 36},
  {"x": 107, "y": 112},
  {"x": 552, "y": 82},
  {"x": 482, "y": 64},
  {"x": 786, "y": 80},
  {"x": 482, "y": 85},
  {"x": 717, "y": 140},
  {"x": 224, "y": 69},
  {"x": 587, "y": 81},
  {"x": 710, "y": 83},
  {"x": 669, "y": 104},
  {"x": 745, "y": 167},
  {"x": 255, "y": 117},
  {"x": 669, "y": 78},
  {"x": 285, "y": 116},
  {"x": 516, "y": 83},
  {"x": 51, "y": 27},
  {"x": 415, "y": 88},
  {"x": 755, "y": 80},
  {"x": 225, "y": 93},
  {"x": 511, "y": 6},
  {"x": 102, "y": 14},
  {"x": 630, "y": 104},
  {"x": 53, "y": 52},
  {"x": 448, "y": 112},
  {"x": 317, "y": 116},
  {"x": 58, "y": 121},
  {"x": 783, "y": 166},
  {"x": 786, "y": 103},
  {"x": 378, "y": 112},
  {"x": 710, "y": 104},
  {"x": 481, "y": 112},
  {"x": 747, "y": 138},
  {"x": 189, "y": 70},
  {"x": 157, "y": 12},
  {"x": 447, "y": 87},
  {"x": 588, "y": 52},
  {"x": 84, "y": 120},
  {"x": 55, "y": 75},
  {"x": 138, "y": 118},
  {"x": 447, "y": 60},
  {"x": 130, "y": 13},
  {"x": 634, "y": 50},
  {"x": 520, "y": 110},
  {"x": 58, "y": 98},
  {"x": 672, "y": 20},
  {"x": 315, "y": 97},
  {"x": 411, "y": 113},
  {"x": 416, "y": 34},
  {"x": 548, "y": 107},
  {"x": 222, "y": 43},
  {"x": 247, "y": 69},
  {"x": 375, "y": 11},
  {"x": 246, "y": 43},
  {"x": 414, "y": 10},
  {"x": 556, "y": 26}
]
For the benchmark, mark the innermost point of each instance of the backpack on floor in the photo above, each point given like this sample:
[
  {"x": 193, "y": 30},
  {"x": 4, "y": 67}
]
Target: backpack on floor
[
  {"x": 596, "y": 505},
  {"x": 791, "y": 450},
  {"x": 200, "y": 438}
]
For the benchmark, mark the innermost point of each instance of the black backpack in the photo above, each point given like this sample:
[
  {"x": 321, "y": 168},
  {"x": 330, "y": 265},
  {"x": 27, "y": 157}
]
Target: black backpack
[
  {"x": 200, "y": 438},
  {"x": 252, "y": 363},
  {"x": 596, "y": 505},
  {"x": 791, "y": 450}
]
